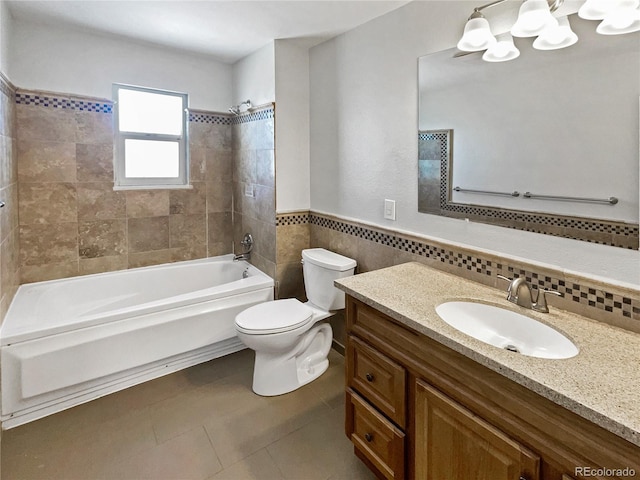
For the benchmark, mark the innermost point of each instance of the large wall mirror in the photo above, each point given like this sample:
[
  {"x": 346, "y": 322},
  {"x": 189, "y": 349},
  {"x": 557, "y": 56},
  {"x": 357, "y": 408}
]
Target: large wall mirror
[{"x": 548, "y": 142}]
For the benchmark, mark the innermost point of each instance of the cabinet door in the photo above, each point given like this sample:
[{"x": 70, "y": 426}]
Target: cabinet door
[
  {"x": 452, "y": 443},
  {"x": 381, "y": 442},
  {"x": 377, "y": 378}
]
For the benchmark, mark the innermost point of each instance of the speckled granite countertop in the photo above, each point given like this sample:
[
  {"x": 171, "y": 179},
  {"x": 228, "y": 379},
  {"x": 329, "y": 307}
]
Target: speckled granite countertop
[{"x": 601, "y": 383}]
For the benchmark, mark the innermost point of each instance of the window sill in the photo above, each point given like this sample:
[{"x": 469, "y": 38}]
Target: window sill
[{"x": 152, "y": 187}]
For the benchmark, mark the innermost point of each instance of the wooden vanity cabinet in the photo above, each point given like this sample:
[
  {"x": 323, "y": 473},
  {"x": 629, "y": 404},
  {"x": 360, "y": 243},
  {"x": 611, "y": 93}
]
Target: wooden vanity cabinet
[
  {"x": 453, "y": 443},
  {"x": 416, "y": 409}
]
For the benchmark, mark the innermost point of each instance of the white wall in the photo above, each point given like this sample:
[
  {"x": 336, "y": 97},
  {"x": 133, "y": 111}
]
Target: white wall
[
  {"x": 5, "y": 32},
  {"x": 254, "y": 77},
  {"x": 292, "y": 126},
  {"x": 61, "y": 60},
  {"x": 364, "y": 122}
]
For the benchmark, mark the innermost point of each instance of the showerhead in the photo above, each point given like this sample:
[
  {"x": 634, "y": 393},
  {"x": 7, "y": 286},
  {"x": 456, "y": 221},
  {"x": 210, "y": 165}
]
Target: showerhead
[{"x": 235, "y": 109}]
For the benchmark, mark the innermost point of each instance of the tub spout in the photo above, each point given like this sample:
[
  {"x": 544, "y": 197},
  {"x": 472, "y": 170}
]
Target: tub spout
[{"x": 241, "y": 256}]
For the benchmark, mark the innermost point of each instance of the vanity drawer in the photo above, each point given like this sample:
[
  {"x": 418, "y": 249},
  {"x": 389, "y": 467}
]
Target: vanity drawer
[
  {"x": 377, "y": 378},
  {"x": 376, "y": 438}
]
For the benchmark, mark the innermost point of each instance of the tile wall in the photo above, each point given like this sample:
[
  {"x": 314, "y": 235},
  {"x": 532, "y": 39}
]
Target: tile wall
[
  {"x": 72, "y": 222},
  {"x": 293, "y": 235},
  {"x": 254, "y": 192},
  {"x": 9, "y": 231},
  {"x": 375, "y": 248}
]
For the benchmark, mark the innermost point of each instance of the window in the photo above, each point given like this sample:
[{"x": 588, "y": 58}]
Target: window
[{"x": 151, "y": 147}]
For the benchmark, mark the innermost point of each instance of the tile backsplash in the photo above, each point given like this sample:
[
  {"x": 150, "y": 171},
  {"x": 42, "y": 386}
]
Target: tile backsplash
[{"x": 375, "y": 248}]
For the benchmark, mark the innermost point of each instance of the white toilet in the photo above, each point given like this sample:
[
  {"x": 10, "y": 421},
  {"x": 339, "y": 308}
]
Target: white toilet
[{"x": 291, "y": 350}]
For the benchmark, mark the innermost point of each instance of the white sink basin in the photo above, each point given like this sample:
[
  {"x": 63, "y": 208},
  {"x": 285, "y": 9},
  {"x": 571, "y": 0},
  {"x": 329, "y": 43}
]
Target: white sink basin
[{"x": 506, "y": 329}]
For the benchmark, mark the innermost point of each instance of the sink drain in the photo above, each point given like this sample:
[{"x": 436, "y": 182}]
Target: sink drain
[{"x": 512, "y": 348}]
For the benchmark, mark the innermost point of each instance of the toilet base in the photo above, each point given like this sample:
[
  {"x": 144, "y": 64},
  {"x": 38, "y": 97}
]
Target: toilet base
[{"x": 280, "y": 373}]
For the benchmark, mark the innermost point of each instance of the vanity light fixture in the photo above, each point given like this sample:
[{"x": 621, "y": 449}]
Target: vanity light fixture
[
  {"x": 533, "y": 18},
  {"x": 502, "y": 50},
  {"x": 477, "y": 35},
  {"x": 557, "y": 37},
  {"x": 599, "y": 9},
  {"x": 623, "y": 20}
]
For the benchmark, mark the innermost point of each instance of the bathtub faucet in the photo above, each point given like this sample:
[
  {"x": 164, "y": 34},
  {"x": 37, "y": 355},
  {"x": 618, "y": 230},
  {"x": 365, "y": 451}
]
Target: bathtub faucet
[{"x": 247, "y": 243}]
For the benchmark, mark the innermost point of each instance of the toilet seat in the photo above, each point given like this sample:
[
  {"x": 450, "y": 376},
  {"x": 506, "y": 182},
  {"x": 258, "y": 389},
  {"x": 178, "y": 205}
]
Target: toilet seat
[{"x": 274, "y": 317}]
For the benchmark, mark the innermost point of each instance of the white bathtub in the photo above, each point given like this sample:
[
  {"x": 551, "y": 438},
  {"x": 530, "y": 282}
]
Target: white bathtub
[{"x": 65, "y": 342}]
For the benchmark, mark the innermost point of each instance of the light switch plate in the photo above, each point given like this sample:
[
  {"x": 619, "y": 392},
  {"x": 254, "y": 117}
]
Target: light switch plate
[
  {"x": 248, "y": 190},
  {"x": 390, "y": 209}
]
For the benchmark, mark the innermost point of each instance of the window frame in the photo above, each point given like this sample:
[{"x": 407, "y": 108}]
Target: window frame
[{"x": 121, "y": 182}]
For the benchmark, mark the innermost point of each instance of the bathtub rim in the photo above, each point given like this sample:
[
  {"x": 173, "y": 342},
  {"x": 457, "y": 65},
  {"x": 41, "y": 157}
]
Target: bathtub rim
[{"x": 11, "y": 334}]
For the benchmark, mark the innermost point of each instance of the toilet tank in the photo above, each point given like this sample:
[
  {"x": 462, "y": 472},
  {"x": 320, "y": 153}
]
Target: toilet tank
[{"x": 321, "y": 267}]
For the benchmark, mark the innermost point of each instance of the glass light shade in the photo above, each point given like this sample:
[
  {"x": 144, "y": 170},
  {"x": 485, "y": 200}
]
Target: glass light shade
[
  {"x": 619, "y": 22},
  {"x": 598, "y": 9},
  {"x": 477, "y": 36},
  {"x": 534, "y": 16},
  {"x": 554, "y": 38},
  {"x": 501, "y": 51}
]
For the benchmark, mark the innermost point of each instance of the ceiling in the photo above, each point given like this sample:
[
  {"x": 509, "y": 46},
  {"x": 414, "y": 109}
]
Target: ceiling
[{"x": 228, "y": 30}]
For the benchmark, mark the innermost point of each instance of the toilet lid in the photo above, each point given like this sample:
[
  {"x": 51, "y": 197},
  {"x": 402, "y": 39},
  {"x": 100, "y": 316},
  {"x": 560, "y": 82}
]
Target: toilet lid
[{"x": 274, "y": 317}]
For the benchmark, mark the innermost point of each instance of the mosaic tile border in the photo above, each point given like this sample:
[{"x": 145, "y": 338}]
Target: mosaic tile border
[
  {"x": 585, "y": 295},
  {"x": 207, "y": 117},
  {"x": 531, "y": 221},
  {"x": 74, "y": 103},
  {"x": 63, "y": 103},
  {"x": 264, "y": 114},
  {"x": 296, "y": 218}
]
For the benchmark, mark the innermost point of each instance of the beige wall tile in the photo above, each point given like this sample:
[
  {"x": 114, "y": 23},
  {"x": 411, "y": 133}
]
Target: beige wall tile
[
  {"x": 188, "y": 231},
  {"x": 265, "y": 198},
  {"x": 189, "y": 201},
  {"x": 6, "y": 160},
  {"x": 147, "y": 203},
  {"x": 291, "y": 240},
  {"x": 148, "y": 234},
  {"x": 181, "y": 254},
  {"x": 219, "y": 195},
  {"x": 41, "y": 203},
  {"x": 94, "y": 127},
  {"x": 94, "y": 162},
  {"x": 219, "y": 248},
  {"x": 48, "y": 271},
  {"x": 102, "y": 238},
  {"x": 98, "y": 201},
  {"x": 197, "y": 163},
  {"x": 88, "y": 266},
  {"x": 36, "y": 123},
  {"x": 219, "y": 164},
  {"x": 46, "y": 161},
  {"x": 48, "y": 244},
  {"x": 290, "y": 281},
  {"x": 146, "y": 259},
  {"x": 220, "y": 228},
  {"x": 9, "y": 264},
  {"x": 265, "y": 168}
]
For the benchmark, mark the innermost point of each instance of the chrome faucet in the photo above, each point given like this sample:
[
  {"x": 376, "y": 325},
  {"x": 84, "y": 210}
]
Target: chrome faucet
[
  {"x": 520, "y": 293},
  {"x": 247, "y": 243}
]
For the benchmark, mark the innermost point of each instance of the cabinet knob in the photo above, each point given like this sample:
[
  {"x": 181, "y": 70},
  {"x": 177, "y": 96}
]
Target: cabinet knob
[
  {"x": 368, "y": 437},
  {"x": 369, "y": 377},
  {"x": 522, "y": 478}
]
